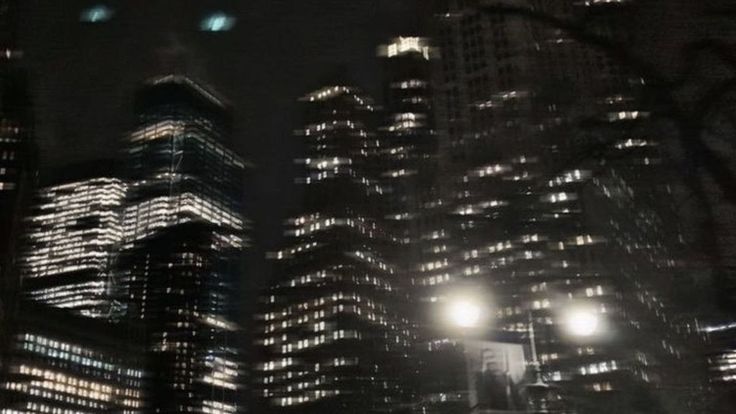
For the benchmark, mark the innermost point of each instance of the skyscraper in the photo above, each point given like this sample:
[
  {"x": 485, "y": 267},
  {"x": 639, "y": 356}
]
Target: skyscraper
[
  {"x": 404, "y": 160},
  {"x": 73, "y": 232},
  {"x": 183, "y": 244},
  {"x": 330, "y": 336},
  {"x": 68, "y": 348},
  {"x": 554, "y": 179},
  {"x": 411, "y": 209}
]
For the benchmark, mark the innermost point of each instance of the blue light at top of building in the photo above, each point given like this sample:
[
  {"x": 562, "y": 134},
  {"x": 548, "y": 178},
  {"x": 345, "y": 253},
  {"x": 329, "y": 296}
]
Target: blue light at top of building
[
  {"x": 217, "y": 22},
  {"x": 96, "y": 14}
]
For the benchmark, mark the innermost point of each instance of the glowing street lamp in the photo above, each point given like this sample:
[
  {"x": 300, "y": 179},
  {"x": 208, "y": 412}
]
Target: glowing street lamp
[
  {"x": 464, "y": 313},
  {"x": 581, "y": 322},
  {"x": 578, "y": 320}
]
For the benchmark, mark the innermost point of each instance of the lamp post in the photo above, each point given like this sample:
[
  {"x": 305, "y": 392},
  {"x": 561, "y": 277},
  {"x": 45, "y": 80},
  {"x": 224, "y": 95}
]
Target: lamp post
[
  {"x": 577, "y": 321},
  {"x": 533, "y": 347},
  {"x": 467, "y": 313},
  {"x": 538, "y": 390}
]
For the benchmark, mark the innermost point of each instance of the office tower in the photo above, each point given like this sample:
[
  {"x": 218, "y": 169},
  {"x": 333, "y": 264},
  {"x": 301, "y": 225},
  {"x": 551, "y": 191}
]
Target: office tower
[
  {"x": 63, "y": 363},
  {"x": 72, "y": 233},
  {"x": 557, "y": 190},
  {"x": 183, "y": 244},
  {"x": 329, "y": 336}
]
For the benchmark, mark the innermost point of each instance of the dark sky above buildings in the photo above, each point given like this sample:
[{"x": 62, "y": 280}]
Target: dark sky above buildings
[{"x": 84, "y": 75}]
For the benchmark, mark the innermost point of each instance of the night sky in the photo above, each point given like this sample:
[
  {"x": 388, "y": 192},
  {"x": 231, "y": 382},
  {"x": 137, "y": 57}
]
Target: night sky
[{"x": 84, "y": 76}]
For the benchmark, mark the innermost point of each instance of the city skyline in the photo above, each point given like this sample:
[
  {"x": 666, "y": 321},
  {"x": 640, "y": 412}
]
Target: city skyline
[{"x": 443, "y": 207}]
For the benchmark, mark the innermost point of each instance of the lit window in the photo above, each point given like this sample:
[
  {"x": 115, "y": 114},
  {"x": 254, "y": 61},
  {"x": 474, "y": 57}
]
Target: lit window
[{"x": 217, "y": 22}]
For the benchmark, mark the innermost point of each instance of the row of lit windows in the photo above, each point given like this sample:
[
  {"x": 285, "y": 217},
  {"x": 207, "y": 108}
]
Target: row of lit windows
[
  {"x": 72, "y": 352},
  {"x": 147, "y": 217},
  {"x": 218, "y": 407},
  {"x": 71, "y": 389},
  {"x": 364, "y": 308},
  {"x": 55, "y": 241},
  {"x": 306, "y": 397}
]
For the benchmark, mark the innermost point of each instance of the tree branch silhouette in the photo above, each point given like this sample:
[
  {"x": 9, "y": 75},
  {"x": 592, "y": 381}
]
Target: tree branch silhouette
[{"x": 657, "y": 84}]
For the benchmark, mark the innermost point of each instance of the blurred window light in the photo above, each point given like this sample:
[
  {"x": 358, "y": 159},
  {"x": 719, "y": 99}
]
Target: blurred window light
[
  {"x": 217, "y": 22},
  {"x": 99, "y": 13}
]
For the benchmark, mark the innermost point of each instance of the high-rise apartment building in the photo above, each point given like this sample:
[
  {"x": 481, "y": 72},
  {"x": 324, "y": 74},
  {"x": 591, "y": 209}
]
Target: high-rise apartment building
[
  {"x": 410, "y": 207},
  {"x": 329, "y": 333},
  {"x": 72, "y": 234},
  {"x": 555, "y": 186},
  {"x": 405, "y": 160},
  {"x": 184, "y": 234}
]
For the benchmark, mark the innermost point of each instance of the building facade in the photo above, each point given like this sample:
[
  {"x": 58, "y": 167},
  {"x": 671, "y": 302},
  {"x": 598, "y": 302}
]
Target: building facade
[
  {"x": 330, "y": 336},
  {"x": 184, "y": 234},
  {"x": 560, "y": 199},
  {"x": 72, "y": 234},
  {"x": 62, "y": 363},
  {"x": 405, "y": 159},
  {"x": 413, "y": 210}
]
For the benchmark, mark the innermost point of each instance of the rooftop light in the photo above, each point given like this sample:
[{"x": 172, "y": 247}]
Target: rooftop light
[
  {"x": 217, "y": 22},
  {"x": 96, "y": 14}
]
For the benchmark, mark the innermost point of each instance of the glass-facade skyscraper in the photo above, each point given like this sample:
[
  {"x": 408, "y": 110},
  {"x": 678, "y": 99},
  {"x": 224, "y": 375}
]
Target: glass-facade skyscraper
[{"x": 184, "y": 234}]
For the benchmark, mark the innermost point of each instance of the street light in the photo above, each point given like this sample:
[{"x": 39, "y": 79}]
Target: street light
[
  {"x": 581, "y": 322},
  {"x": 464, "y": 313}
]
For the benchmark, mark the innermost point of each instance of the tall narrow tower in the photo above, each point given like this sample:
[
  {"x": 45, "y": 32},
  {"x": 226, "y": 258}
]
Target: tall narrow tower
[
  {"x": 405, "y": 161},
  {"x": 330, "y": 335},
  {"x": 184, "y": 237}
]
